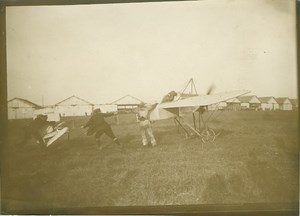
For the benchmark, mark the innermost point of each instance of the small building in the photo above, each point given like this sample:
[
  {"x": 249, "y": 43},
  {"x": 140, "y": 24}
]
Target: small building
[
  {"x": 74, "y": 106},
  {"x": 51, "y": 113},
  {"x": 250, "y": 102},
  {"x": 19, "y": 108},
  {"x": 233, "y": 104},
  {"x": 106, "y": 108},
  {"x": 294, "y": 103},
  {"x": 268, "y": 103},
  {"x": 217, "y": 106},
  {"x": 284, "y": 103},
  {"x": 127, "y": 103}
]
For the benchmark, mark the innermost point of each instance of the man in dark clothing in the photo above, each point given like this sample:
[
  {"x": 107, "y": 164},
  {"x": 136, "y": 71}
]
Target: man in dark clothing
[
  {"x": 169, "y": 97},
  {"x": 34, "y": 129},
  {"x": 98, "y": 126}
]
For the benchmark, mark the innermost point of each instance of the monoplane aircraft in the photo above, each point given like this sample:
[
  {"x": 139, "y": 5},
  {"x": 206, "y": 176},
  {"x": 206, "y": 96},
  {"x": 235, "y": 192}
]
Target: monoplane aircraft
[{"x": 197, "y": 104}]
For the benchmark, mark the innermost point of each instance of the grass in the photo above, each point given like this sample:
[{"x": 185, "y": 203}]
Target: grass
[{"x": 255, "y": 160}]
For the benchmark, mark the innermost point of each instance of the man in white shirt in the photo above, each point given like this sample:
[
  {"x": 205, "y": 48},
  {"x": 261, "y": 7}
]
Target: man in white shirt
[{"x": 145, "y": 124}]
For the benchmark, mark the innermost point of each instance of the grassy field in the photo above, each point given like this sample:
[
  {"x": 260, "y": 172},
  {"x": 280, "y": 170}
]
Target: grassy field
[{"x": 255, "y": 160}]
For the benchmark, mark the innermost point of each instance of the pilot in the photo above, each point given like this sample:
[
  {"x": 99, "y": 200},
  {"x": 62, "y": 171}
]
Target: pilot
[
  {"x": 98, "y": 126},
  {"x": 145, "y": 124},
  {"x": 34, "y": 129},
  {"x": 169, "y": 97}
]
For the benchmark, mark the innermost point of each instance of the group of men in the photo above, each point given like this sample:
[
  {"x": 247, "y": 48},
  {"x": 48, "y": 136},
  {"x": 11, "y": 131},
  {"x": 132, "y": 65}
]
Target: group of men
[{"x": 98, "y": 126}]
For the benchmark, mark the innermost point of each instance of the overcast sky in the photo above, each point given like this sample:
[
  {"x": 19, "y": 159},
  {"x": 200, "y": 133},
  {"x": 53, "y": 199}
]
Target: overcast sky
[{"x": 103, "y": 52}]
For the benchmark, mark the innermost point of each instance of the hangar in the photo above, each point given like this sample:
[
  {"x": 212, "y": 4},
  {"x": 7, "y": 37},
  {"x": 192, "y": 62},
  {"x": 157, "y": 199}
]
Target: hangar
[
  {"x": 268, "y": 103},
  {"x": 249, "y": 102},
  {"x": 294, "y": 103},
  {"x": 127, "y": 103},
  {"x": 284, "y": 103},
  {"x": 19, "y": 108},
  {"x": 74, "y": 106}
]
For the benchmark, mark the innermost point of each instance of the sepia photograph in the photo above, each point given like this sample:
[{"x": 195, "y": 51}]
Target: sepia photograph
[{"x": 166, "y": 106}]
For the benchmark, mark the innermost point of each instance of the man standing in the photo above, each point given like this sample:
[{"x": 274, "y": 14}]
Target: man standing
[
  {"x": 98, "y": 126},
  {"x": 145, "y": 124}
]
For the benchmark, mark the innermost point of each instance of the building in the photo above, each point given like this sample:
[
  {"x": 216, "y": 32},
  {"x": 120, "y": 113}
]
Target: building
[
  {"x": 127, "y": 103},
  {"x": 233, "y": 104},
  {"x": 294, "y": 103},
  {"x": 249, "y": 102},
  {"x": 217, "y": 106},
  {"x": 74, "y": 106},
  {"x": 51, "y": 112},
  {"x": 19, "y": 108},
  {"x": 106, "y": 108},
  {"x": 268, "y": 103},
  {"x": 284, "y": 103}
]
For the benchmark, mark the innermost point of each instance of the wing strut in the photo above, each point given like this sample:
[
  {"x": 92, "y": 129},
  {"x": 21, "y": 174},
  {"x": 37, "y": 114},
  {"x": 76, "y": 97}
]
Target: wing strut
[
  {"x": 206, "y": 134},
  {"x": 194, "y": 120},
  {"x": 187, "y": 133}
]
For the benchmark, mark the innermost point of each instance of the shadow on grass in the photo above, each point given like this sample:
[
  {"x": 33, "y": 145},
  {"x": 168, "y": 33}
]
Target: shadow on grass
[
  {"x": 127, "y": 138},
  {"x": 216, "y": 190},
  {"x": 270, "y": 182},
  {"x": 167, "y": 135},
  {"x": 280, "y": 143},
  {"x": 224, "y": 132}
]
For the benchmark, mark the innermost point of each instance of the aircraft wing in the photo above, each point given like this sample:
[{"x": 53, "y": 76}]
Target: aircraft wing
[{"x": 203, "y": 100}]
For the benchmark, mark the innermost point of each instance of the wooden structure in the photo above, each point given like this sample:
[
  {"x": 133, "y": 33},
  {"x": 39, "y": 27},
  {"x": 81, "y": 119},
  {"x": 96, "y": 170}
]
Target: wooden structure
[
  {"x": 106, "y": 108},
  {"x": 284, "y": 103},
  {"x": 74, "y": 106},
  {"x": 294, "y": 103},
  {"x": 233, "y": 104},
  {"x": 268, "y": 103},
  {"x": 19, "y": 108},
  {"x": 127, "y": 103},
  {"x": 249, "y": 102}
]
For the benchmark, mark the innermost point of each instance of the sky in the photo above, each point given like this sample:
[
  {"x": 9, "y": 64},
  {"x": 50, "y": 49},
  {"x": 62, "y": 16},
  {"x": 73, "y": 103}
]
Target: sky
[{"x": 103, "y": 52}]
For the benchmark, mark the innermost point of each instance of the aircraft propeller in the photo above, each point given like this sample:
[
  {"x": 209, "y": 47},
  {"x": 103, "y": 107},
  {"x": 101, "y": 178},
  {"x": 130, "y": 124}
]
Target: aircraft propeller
[{"x": 210, "y": 89}]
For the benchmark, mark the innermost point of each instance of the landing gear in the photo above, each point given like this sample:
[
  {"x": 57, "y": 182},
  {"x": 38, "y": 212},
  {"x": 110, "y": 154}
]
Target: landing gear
[
  {"x": 209, "y": 135},
  {"x": 206, "y": 134}
]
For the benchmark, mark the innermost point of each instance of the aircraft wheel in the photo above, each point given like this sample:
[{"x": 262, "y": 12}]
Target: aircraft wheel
[{"x": 208, "y": 135}]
